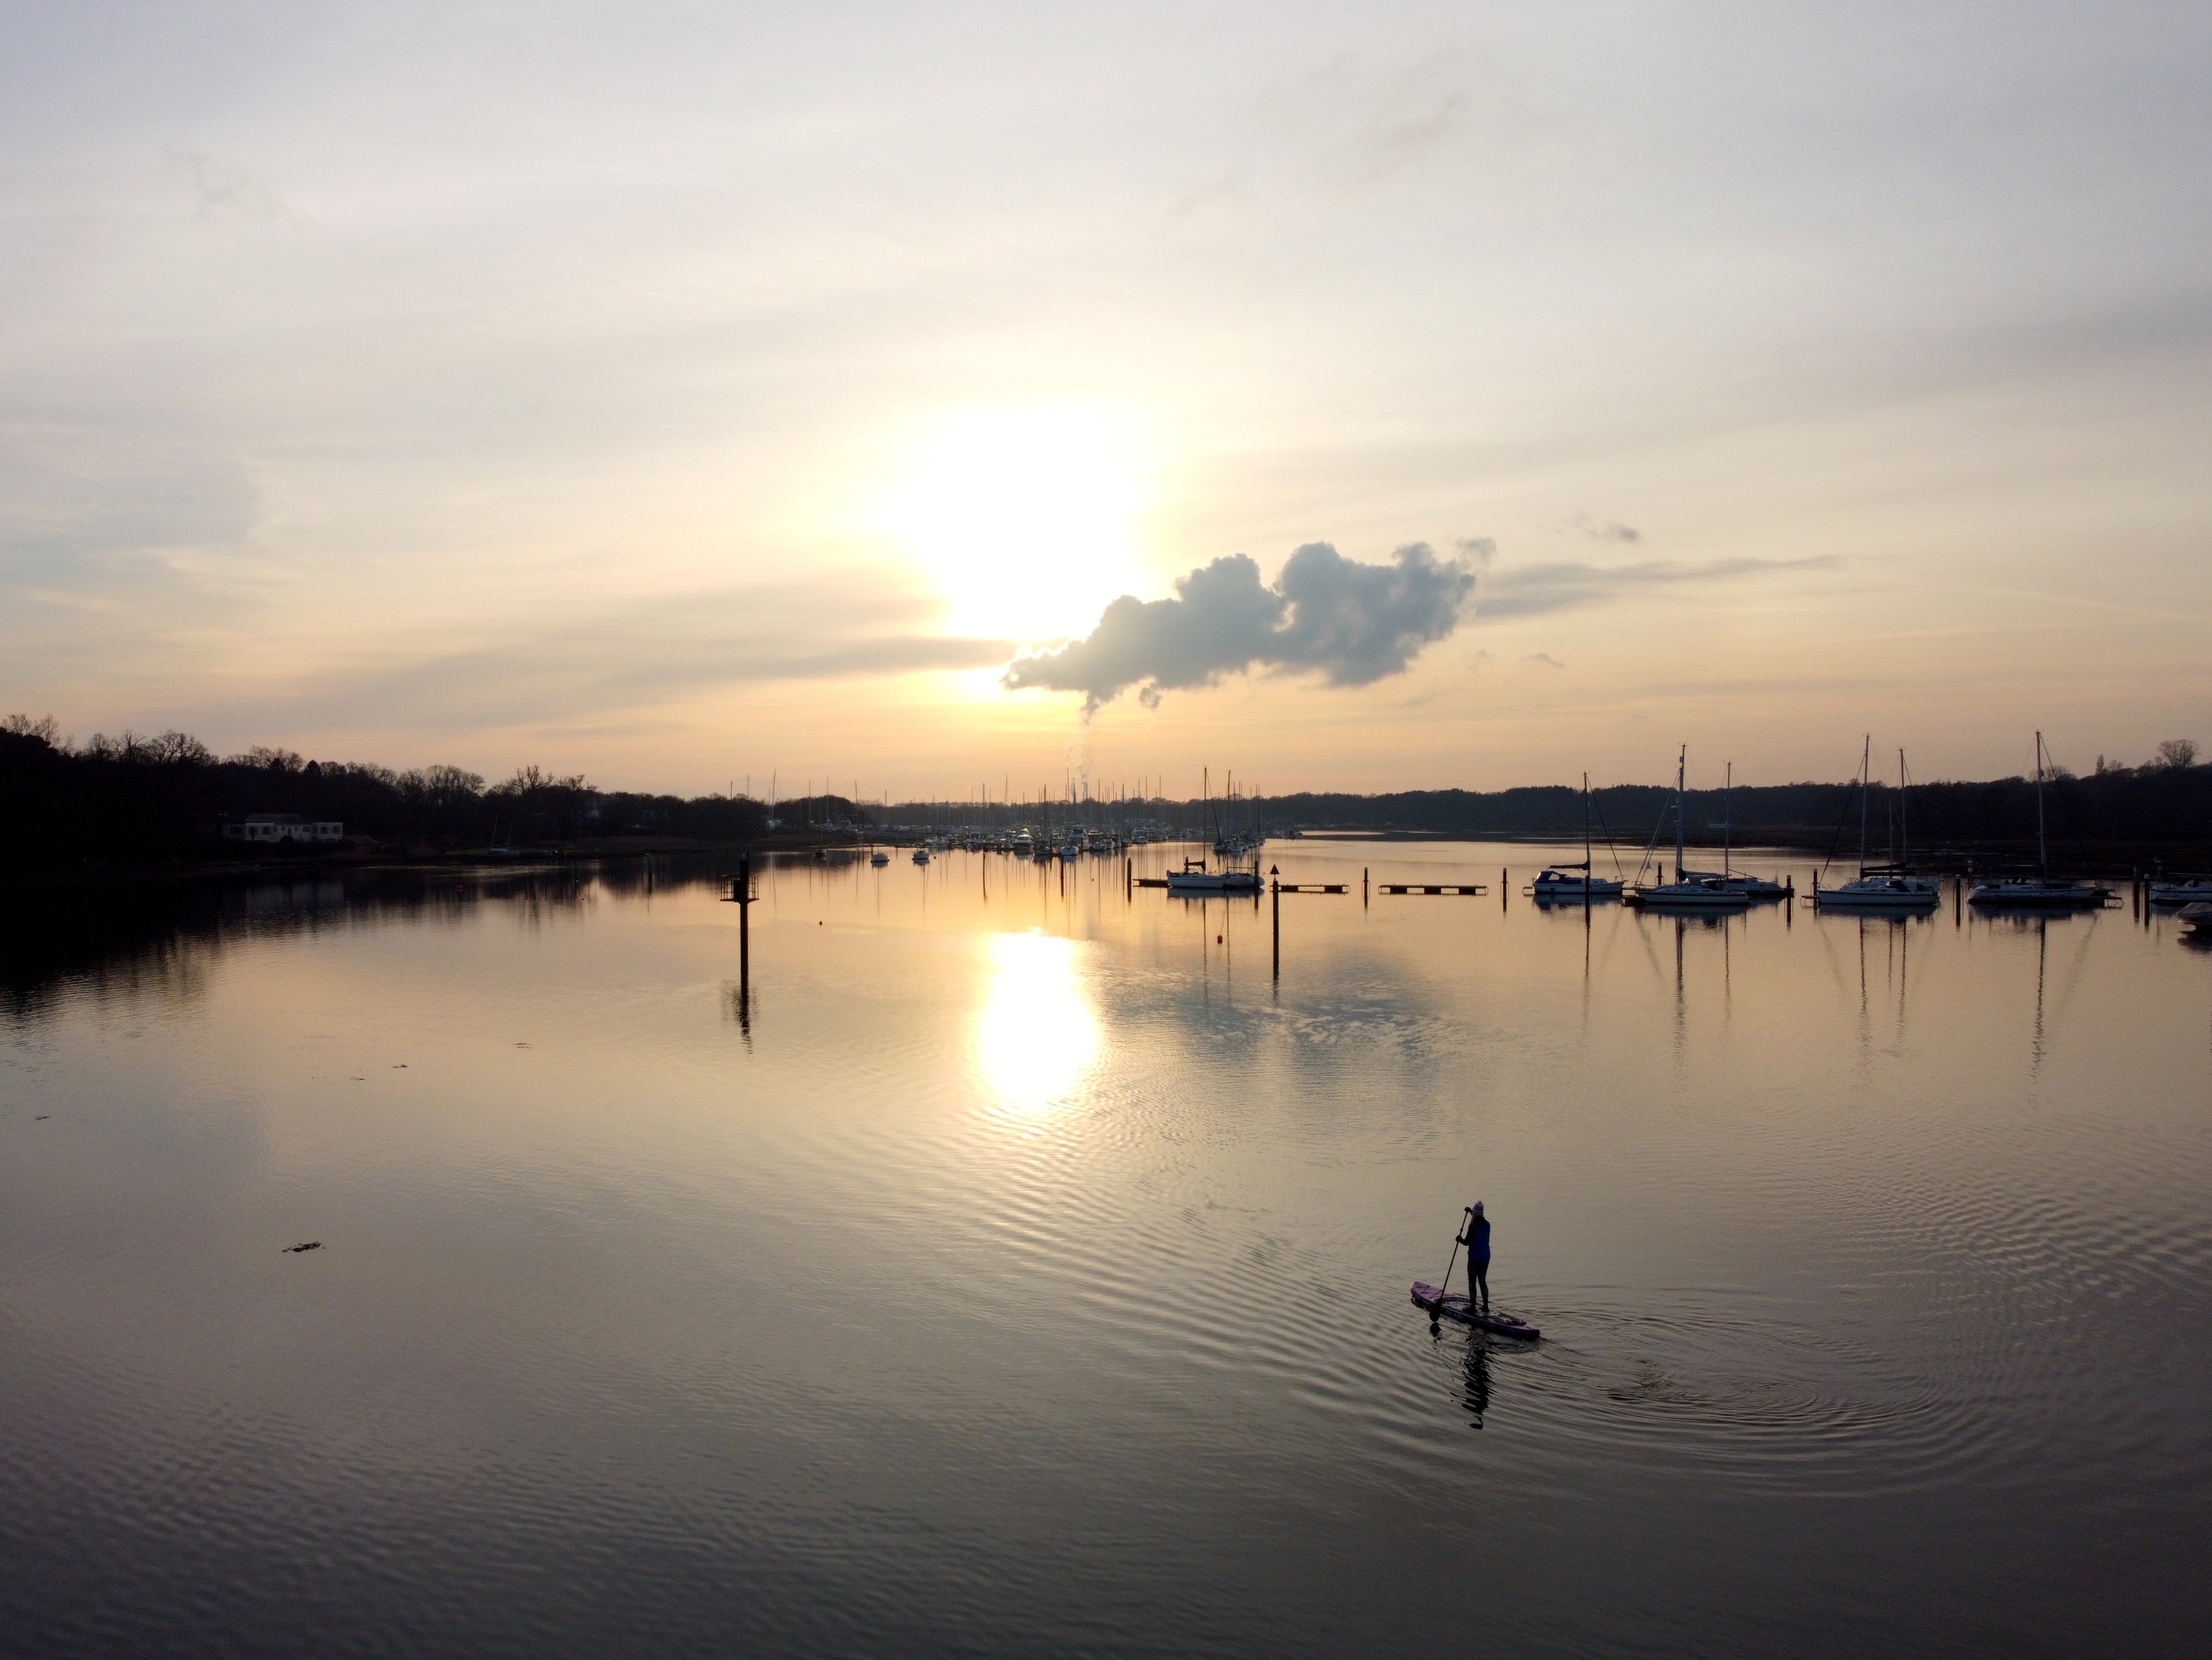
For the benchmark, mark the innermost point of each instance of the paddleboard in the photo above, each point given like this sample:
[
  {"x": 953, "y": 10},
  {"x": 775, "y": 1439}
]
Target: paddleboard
[{"x": 1453, "y": 1306}]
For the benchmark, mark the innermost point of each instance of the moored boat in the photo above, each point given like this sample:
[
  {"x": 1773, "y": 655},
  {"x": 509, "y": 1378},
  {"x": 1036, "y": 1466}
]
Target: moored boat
[
  {"x": 1574, "y": 884},
  {"x": 2181, "y": 891},
  {"x": 1881, "y": 887},
  {"x": 1690, "y": 890},
  {"x": 1194, "y": 878},
  {"x": 2041, "y": 892}
]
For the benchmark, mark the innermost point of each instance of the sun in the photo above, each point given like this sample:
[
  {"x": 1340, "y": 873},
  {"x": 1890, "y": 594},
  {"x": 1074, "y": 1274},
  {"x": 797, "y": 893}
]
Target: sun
[{"x": 1024, "y": 519}]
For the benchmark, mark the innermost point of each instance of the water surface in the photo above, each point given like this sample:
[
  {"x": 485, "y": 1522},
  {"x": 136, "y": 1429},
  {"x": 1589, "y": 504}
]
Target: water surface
[{"x": 1013, "y": 1263}]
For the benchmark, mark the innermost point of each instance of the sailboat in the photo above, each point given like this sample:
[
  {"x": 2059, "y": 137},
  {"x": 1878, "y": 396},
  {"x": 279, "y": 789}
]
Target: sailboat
[
  {"x": 1690, "y": 890},
  {"x": 1574, "y": 884},
  {"x": 1194, "y": 878},
  {"x": 1757, "y": 887},
  {"x": 1885, "y": 887},
  {"x": 2038, "y": 891}
]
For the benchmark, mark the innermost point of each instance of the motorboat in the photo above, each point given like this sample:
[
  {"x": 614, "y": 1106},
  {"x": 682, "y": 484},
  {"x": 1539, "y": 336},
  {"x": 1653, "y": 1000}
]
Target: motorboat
[
  {"x": 1880, "y": 887},
  {"x": 2040, "y": 891},
  {"x": 880, "y": 857},
  {"x": 2196, "y": 918},
  {"x": 922, "y": 855}
]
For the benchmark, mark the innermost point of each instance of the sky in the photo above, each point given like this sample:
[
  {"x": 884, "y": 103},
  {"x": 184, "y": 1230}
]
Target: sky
[{"x": 693, "y": 395}]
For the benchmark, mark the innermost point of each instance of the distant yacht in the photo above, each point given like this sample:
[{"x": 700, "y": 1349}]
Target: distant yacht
[
  {"x": 922, "y": 855},
  {"x": 1194, "y": 878},
  {"x": 2038, "y": 891},
  {"x": 2181, "y": 891},
  {"x": 1754, "y": 887},
  {"x": 1564, "y": 883},
  {"x": 1690, "y": 890},
  {"x": 880, "y": 857},
  {"x": 1889, "y": 887}
]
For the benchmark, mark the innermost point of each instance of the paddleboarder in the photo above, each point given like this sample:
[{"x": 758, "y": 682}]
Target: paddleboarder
[{"x": 1477, "y": 1240}]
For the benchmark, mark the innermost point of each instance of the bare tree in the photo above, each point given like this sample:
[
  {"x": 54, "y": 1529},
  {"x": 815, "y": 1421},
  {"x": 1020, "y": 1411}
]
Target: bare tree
[{"x": 2177, "y": 754}]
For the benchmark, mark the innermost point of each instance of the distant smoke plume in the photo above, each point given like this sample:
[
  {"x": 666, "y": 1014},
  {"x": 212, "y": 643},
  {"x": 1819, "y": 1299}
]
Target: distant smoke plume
[{"x": 1351, "y": 623}]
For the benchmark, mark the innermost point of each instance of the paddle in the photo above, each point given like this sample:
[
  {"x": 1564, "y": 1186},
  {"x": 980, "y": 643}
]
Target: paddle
[{"x": 1435, "y": 1309}]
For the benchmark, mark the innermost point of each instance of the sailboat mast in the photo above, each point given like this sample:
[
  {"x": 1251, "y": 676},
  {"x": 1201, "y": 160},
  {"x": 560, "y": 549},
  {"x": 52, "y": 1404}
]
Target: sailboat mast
[
  {"x": 2042, "y": 854},
  {"x": 1681, "y": 770},
  {"x": 1904, "y": 830},
  {"x": 1587, "y": 868},
  {"x": 1727, "y": 830},
  {"x": 1866, "y": 777}
]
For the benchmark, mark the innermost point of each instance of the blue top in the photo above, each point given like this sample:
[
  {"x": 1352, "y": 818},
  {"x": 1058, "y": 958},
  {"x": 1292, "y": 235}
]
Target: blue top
[{"x": 1478, "y": 1239}]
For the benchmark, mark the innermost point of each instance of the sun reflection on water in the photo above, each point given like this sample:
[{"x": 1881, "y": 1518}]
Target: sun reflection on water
[{"x": 1038, "y": 1033}]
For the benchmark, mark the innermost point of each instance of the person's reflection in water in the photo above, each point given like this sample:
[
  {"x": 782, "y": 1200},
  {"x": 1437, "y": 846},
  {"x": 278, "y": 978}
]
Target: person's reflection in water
[{"x": 1477, "y": 1378}]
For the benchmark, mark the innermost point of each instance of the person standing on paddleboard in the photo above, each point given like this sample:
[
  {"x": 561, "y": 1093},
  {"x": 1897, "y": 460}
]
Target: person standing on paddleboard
[{"x": 1477, "y": 1240}]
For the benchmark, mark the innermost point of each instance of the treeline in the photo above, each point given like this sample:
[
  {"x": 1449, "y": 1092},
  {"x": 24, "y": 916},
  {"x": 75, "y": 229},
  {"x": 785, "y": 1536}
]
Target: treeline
[
  {"x": 133, "y": 800},
  {"x": 2166, "y": 804}
]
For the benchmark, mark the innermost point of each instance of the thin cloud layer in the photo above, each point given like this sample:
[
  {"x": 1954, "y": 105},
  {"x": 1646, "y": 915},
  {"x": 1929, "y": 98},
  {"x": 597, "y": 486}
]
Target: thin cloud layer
[
  {"x": 1352, "y": 624},
  {"x": 1535, "y": 590},
  {"x": 644, "y": 656}
]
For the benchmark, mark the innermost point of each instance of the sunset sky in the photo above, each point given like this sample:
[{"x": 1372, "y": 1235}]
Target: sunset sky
[{"x": 677, "y": 393}]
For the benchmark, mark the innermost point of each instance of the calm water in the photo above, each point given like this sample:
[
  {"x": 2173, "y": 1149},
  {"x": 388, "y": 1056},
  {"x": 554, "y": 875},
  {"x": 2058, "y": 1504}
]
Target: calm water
[{"x": 1019, "y": 1268}]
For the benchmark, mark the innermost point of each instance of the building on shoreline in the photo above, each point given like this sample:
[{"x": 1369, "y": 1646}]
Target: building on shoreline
[{"x": 283, "y": 827}]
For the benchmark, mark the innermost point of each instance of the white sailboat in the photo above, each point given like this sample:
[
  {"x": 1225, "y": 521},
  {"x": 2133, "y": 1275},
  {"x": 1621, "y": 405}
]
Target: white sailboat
[
  {"x": 1574, "y": 884},
  {"x": 1757, "y": 887},
  {"x": 1690, "y": 890},
  {"x": 1889, "y": 888},
  {"x": 1194, "y": 878},
  {"x": 2038, "y": 891}
]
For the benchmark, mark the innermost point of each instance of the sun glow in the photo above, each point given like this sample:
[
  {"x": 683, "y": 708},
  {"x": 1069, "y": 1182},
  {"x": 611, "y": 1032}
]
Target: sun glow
[
  {"x": 1038, "y": 1034},
  {"x": 1024, "y": 519}
]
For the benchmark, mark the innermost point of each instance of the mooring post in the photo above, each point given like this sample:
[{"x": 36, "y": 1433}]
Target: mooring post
[
  {"x": 1129, "y": 878},
  {"x": 1363, "y": 887},
  {"x": 1275, "y": 892}
]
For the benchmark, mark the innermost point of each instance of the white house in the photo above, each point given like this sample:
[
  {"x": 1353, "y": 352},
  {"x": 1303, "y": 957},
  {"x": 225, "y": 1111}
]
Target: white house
[{"x": 283, "y": 827}]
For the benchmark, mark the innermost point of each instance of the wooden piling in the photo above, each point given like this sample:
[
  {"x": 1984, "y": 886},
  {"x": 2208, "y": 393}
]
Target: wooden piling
[{"x": 1275, "y": 891}]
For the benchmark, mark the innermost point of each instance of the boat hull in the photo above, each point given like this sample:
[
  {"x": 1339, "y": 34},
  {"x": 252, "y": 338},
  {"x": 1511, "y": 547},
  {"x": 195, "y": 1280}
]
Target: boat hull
[
  {"x": 1852, "y": 896},
  {"x": 1701, "y": 898},
  {"x": 1212, "y": 884},
  {"x": 2037, "y": 896},
  {"x": 2180, "y": 893}
]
